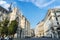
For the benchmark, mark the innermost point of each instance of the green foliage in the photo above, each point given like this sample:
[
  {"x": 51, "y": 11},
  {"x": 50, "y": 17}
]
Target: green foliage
[
  {"x": 0, "y": 28},
  {"x": 0, "y": 24},
  {"x": 5, "y": 22},
  {"x": 4, "y": 30},
  {"x": 8, "y": 30},
  {"x": 12, "y": 27},
  {"x": 5, "y": 27}
]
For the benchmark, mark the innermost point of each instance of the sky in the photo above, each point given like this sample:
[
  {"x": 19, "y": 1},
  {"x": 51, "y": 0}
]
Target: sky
[{"x": 33, "y": 10}]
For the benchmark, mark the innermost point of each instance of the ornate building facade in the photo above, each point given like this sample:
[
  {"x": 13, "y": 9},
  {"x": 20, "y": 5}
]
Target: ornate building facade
[
  {"x": 52, "y": 23},
  {"x": 23, "y": 24}
]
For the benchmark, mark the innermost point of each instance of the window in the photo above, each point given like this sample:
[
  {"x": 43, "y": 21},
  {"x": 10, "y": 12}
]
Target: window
[
  {"x": 49, "y": 14},
  {"x": 57, "y": 23},
  {"x": 58, "y": 15},
  {"x": 50, "y": 17}
]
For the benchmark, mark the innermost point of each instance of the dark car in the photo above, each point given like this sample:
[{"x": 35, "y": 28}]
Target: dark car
[{"x": 27, "y": 37}]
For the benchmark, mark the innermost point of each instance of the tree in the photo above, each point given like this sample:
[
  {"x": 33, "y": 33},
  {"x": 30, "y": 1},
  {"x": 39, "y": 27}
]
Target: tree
[
  {"x": 4, "y": 27},
  {"x": 8, "y": 29},
  {"x": 12, "y": 27},
  {"x": 5, "y": 22},
  {"x": 0, "y": 28}
]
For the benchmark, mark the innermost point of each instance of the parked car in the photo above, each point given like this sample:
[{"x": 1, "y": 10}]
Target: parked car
[{"x": 27, "y": 37}]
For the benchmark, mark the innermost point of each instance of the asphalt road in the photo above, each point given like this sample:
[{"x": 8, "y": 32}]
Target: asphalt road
[{"x": 38, "y": 39}]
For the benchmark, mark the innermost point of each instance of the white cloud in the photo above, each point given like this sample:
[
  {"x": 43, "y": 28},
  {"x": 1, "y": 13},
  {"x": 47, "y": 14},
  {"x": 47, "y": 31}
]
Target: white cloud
[
  {"x": 56, "y": 6},
  {"x": 4, "y": 4},
  {"x": 40, "y": 3}
]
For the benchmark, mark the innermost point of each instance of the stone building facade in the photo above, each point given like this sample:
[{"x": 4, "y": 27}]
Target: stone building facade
[
  {"x": 52, "y": 23},
  {"x": 15, "y": 14},
  {"x": 39, "y": 30}
]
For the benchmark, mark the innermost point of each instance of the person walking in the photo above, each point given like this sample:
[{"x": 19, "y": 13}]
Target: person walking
[{"x": 2, "y": 38}]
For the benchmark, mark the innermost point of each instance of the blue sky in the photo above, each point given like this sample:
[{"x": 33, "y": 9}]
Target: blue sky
[{"x": 33, "y": 10}]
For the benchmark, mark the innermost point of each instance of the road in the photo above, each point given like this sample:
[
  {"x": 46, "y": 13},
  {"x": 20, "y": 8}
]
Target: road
[
  {"x": 38, "y": 39},
  {"x": 41, "y": 39}
]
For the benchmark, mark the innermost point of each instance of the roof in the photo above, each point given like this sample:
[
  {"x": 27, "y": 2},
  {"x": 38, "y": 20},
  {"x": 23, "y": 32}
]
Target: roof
[{"x": 3, "y": 9}]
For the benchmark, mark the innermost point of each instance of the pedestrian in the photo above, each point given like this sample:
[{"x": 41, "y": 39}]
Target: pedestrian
[
  {"x": 6, "y": 38},
  {"x": 10, "y": 38},
  {"x": 2, "y": 38}
]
